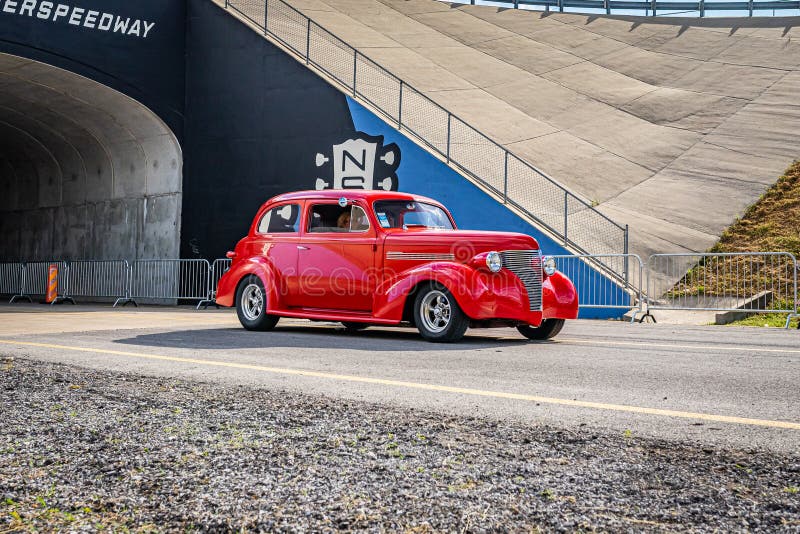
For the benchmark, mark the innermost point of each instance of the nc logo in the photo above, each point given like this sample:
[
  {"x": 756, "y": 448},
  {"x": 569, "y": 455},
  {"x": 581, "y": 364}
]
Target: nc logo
[{"x": 358, "y": 165}]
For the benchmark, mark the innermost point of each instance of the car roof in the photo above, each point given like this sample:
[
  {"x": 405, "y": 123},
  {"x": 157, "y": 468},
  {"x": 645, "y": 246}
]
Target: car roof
[{"x": 350, "y": 194}]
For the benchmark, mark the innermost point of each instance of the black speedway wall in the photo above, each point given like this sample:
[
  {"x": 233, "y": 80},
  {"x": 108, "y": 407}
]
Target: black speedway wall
[
  {"x": 231, "y": 121},
  {"x": 255, "y": 119},
  {"x": 136, "y": 48}
]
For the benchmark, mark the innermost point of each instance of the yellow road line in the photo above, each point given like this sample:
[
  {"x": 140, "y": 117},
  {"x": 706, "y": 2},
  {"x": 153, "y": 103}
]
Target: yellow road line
[
  {"x": 737, "y": 348},
  {"x": 426, "y": 387}
]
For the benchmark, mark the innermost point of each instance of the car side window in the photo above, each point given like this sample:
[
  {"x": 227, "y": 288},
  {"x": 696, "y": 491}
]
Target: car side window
[
  {"x": 281, "y": 220},
  {"x": 331, "y": 218}
]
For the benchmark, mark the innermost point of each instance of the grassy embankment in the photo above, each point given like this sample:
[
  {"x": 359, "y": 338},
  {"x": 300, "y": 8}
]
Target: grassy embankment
[{"x": 770, "y": 225}]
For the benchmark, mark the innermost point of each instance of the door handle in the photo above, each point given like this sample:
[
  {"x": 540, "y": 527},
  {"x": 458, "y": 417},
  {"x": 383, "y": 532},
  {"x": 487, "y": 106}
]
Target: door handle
[{"x": 301, "y": 247}]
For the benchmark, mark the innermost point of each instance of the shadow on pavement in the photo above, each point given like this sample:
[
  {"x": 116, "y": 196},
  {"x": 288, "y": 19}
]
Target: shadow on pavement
[{"x": 312, "y": 337}]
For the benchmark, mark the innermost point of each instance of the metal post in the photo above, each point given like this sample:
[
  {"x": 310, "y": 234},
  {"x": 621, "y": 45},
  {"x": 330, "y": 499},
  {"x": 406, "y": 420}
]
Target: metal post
[
  {"x": 516, "y": 4},
  {"x": 449, "y": 120},
  {"x": 400, "y": 108},
  {"x": 226, "y": 4},
  {"x": 625, "y": 249},
  {"x": 796, "y": 270},
  {"x": 308, "y": 41},
  {"x": 266, "y": 23},
  {"x": 566, "y": 211},
  {"x": 701, "y": 7},
  {"x": 355, "y": 65},
  {"x": 209, "y": 298},
  {"x": 750, "y": 7},
  {"x": 505, "y": 180},
  {"x": 607, "y": 6},
  {"x": 653, "y": 7},
  {"x": 561, "y": 5}
]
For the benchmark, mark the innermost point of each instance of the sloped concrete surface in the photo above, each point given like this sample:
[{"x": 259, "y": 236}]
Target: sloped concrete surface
[{"x": 673, "y": 126}]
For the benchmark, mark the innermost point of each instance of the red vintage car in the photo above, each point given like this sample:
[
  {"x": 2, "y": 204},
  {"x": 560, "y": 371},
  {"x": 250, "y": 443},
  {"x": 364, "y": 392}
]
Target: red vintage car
[{"x": 385, "y": 258}]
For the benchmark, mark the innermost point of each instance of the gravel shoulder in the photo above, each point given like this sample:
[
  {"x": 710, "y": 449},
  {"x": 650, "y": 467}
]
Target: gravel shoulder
[{"x": 89, "y": 450}]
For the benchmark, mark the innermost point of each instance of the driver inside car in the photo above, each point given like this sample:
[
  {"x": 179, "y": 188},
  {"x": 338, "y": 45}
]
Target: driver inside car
[
  {"x": 354, "y": 220},
  {"x": 344, "y": 220}
]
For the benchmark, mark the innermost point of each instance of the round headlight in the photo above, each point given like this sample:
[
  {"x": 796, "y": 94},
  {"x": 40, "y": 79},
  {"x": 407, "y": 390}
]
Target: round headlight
[
  {"x": 549, "y": 265},
  {"x": 494, "y": 261}
]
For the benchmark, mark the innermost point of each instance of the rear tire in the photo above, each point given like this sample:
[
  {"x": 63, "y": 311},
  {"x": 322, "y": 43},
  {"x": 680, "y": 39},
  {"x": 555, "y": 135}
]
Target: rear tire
[
  {"x": 354, "y": 327},
  {"x": 438, "y": 316},
  {"x": 251, "y": 305},
  {"x": 547, "y": 330}
]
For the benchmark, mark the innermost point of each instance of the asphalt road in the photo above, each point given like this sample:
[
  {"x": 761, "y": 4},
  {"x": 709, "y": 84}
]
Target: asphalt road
[{"x": 722, "y": 386}]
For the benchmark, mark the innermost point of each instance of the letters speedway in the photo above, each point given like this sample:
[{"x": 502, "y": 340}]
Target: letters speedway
[
  {"x": 77, "y": 16},
  {"x": 385, "y": 258}
]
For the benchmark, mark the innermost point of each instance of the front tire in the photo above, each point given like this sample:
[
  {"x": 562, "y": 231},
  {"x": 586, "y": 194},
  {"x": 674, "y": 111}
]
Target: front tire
[
  {"x": 251, "y": 305},
  {"x": 547, "y": 330},
  {"x": 438, "y": 316}
]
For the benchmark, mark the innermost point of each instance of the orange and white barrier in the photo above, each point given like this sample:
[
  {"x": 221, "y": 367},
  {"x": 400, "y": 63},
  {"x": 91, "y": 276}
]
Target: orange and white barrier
[{"x": 51, "y": 294}]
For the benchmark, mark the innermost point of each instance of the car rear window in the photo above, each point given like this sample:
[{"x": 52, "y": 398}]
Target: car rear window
[{"x": 281, "y": 220}]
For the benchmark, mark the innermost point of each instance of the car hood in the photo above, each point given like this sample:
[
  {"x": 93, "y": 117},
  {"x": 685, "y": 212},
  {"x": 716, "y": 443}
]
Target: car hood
[{"x": 460, "y": 242}]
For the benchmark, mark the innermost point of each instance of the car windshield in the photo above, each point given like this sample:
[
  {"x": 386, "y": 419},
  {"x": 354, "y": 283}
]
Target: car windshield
[{"x": 409, "y": 214}]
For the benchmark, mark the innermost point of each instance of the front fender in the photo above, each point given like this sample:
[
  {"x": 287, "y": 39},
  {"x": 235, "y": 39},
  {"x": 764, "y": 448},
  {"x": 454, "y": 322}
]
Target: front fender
[
  {"x": 226, "y": 288},
  {"x": 559, "y": 297},
  {"x": 480, "y": 294},
  {"x": 390, "y": 297}
]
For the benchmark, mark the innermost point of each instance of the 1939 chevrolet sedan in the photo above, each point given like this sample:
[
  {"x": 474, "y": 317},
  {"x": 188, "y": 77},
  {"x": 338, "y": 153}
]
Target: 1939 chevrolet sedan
[{"x": 384, "y": 258}]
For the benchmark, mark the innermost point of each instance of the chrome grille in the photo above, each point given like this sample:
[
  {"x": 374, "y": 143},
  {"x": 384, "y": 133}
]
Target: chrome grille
[{"x": 527, "y": 265}]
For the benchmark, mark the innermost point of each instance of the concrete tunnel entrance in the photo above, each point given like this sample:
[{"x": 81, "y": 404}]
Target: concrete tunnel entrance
[{"x": 85, "y": 171}]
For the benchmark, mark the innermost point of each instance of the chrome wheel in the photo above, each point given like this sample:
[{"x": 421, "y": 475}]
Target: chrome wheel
[
  {"x": 438, "y": 316},
  {"x": 435, "y": 311},
  {"x": 252, "y": 302}
]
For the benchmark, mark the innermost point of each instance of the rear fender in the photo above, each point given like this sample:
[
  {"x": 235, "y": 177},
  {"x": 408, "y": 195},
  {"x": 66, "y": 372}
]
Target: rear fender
[{"x": 226, "y": 289}]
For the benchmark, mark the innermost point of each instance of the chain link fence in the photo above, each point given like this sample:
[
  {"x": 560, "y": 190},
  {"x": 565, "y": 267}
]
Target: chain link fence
[{"x": 378, "y": 88}]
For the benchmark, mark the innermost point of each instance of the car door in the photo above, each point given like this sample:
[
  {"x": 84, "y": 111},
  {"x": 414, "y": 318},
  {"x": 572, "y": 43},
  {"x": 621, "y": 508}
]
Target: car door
[
  {"x": 276, "y": 240},
  {"x": 337, "y": 264}
]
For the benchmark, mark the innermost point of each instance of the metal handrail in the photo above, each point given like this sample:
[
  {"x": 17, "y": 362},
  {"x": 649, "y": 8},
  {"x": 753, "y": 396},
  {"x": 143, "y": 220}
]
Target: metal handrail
[
  {"x": 652, "y": 8},
  {"x": 618, "y": 234}
]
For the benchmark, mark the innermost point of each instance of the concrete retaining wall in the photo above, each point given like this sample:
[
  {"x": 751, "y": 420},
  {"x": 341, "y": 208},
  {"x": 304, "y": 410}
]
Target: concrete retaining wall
[{"x": 86, "y": 172}]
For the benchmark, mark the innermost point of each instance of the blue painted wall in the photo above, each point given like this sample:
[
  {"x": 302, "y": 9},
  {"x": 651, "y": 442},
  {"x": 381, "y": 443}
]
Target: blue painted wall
[{"x": 422, "y": 174}]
